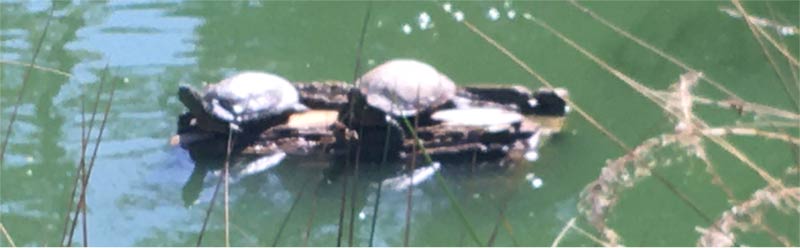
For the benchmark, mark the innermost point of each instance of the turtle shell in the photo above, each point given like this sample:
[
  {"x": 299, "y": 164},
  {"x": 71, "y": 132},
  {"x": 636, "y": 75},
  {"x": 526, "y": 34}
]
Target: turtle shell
[
  {"x": 404, "y": 87},
  {"x": 249, "y": 96}
]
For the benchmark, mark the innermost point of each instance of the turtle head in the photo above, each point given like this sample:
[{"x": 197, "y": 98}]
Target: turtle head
[{"x": 191, "y": 99}]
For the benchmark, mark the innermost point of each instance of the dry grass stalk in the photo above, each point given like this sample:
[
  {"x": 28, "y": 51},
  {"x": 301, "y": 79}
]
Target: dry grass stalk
[
  {"x": 658, "y": 99},
  {"x": 601, "y": 195},
  {"x": 758, "y": 33},
  {"x": 721, "y": 131},
  {"x": 757, "y": 30},
  {"x": 650, "y": 47},
  {"x": 563, "y": 232},
  {"x": 6, "y": 235},
  {"x": 763, "y": 22},
  {"x": 748, "y": 107},
  {"x": 544, "y": 81},
  {"x": 38, "y": 67},
  {"x": 749, "y": 215},
  {"x": 592, "y": 237}
]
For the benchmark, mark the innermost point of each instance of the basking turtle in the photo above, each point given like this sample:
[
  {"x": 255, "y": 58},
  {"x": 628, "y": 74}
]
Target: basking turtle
[
  {"x": 404, "y": 87},
  {"x": 400, "y": 88},
  {"x": 243, "y": 98}
]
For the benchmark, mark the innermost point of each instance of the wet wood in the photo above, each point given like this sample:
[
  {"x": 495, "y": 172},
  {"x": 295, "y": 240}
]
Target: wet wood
[{"x": 324, "y": 131}]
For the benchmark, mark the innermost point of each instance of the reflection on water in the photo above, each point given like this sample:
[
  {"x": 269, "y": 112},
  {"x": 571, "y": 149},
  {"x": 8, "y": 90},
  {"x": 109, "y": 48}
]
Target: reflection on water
[{"x": 144, "y": 192}]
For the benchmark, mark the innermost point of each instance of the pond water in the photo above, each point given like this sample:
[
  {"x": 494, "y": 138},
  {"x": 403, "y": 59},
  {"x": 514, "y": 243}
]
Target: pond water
[{"x": 139, "y": 192}]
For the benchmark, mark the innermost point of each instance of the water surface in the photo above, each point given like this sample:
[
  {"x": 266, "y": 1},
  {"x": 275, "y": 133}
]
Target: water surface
[{"x": 137, "y": 192}]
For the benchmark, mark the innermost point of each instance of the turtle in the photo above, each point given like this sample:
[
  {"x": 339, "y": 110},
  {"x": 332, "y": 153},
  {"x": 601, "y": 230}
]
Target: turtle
[
  {"x": 396, "y": 89},
  {"x": 243, "y": 98},
  {"x": 405, "y": 87}
]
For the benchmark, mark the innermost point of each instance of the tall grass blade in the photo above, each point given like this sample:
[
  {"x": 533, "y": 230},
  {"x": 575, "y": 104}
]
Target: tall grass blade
[
  {"x": 209, "y": 210},
  {"x": 82, "y": 202},
  {"x": 586, "y": 116},
  {"x": 563, "y": 232},
  {"x": 758, "y": 32},
  {"x": 291, "y": 210},
  {"x": 310, "y": 222},
  {"x": 24, "y": 87},
  {"x": 650, "y": 47},
  {"x": 37, "y": 67},
  {"x": 7, "y": 236},
  {"x": 86, "y": 133},
  {"x": 225, "y": 178},
  {"x": 493, "y": 235},
  {"x": 649, "y": 95},
  {"x": 443, "y": 185},
  {"x": 82, "y": 163},
  {"x": 501, "y": 220},
  {"x": 789, "y": 56},
  {"x": 354, "y": 193},
  {"x": 222, "y": 180},
  {"x": 410, "y": 190},
  {"x": 353, "y": 200},
  {"x": 341, "y": 211},
  {"x": 375, "y": 215},
  {"x": 384, "y": 158},
  {"x": 544, "y": 81}
]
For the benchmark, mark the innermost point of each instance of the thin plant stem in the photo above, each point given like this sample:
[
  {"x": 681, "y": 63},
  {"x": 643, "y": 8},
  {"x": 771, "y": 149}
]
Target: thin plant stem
[
  {"x": 353, "y": 199},
  {"x": 384, "y": 158},
  {"x": 208, "y": 212},
  {"x": 646, "y": 92},
  {"x": 650, "y": 47},
  {"x": 84, "y": 220},
  {"x": 285, "y": 220},
  {"x": 507, "y": 227},
  {"x": 7, "y": 236},
  {"x": 225, "y": 178},
  {"x": 410, "y": 191},
  {"x": 310, "y": 222},
  {"x": 24, "y": 87},
  {"x": 563, "y": 232},
  {"x": 82, "y": 165},
  {"x": 341, "y": 211},
  {"x": 88, "y": 175},
  {"x": 375, "y": 215},
  {"x": 758, "y": 36},
  {"x": 38, "y": 67},
  {"x": 590, "y": 236},
  {"x": 493, "y": 235},
  {"x": 356, "y": 73},
  {"x": 684, "y": 198},
  {"x": 544, "y": 81},
  {"x": 443, "y": 185},
  {"x": 87, "y": 132},
  {"x": 769, "y": 38}
]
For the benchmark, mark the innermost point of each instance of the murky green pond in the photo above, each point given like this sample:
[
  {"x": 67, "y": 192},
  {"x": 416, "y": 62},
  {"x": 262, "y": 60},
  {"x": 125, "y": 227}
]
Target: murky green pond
[{"x": 139, "y": 195}]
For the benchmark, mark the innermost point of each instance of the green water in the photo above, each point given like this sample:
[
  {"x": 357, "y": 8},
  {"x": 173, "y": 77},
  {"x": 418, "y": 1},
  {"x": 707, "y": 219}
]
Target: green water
[{"x": 135, "y": 195}]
